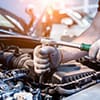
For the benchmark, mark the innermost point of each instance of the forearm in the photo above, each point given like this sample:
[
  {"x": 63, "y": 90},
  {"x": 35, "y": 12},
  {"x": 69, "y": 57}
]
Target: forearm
[
  {"x": 89, "y": 36},
  {"x": 92, "y": 33},
  {"x": 68, "y": 54}
]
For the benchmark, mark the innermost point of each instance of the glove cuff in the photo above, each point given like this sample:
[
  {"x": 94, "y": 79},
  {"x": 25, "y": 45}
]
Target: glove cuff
[{"x": 56, "y": 58}]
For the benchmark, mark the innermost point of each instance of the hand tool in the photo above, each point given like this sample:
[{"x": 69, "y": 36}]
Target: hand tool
[
  {"x": 82, "y": 46},
  {"x": 46, "y": 41}
]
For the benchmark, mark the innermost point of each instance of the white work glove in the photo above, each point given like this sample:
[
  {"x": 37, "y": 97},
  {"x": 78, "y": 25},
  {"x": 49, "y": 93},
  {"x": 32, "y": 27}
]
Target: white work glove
[
  {"x": 46, "y": 57},
  {"x": 94, "y": 51}
]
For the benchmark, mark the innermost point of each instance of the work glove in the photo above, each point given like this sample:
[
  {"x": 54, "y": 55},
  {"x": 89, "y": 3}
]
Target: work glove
[
  {"x": 94, "y": 51},
  {"x": 45, "y": 58}
]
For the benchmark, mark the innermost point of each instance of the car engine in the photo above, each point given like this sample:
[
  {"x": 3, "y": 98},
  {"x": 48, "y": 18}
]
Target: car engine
[{"x": 18, "y": 80}]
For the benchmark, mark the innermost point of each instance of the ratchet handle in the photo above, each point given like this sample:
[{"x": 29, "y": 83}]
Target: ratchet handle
[{"x": 85, "y": 47}]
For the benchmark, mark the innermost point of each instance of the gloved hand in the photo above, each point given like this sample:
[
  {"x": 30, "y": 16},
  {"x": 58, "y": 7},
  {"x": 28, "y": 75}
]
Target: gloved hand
[
  {"x": 94, "y": 51},
  {"x": 46, "y": 57}
]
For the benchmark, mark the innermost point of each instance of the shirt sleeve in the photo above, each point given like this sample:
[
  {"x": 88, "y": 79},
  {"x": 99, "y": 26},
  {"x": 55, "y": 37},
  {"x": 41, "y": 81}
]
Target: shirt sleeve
[{"x": 99, "y": 5}]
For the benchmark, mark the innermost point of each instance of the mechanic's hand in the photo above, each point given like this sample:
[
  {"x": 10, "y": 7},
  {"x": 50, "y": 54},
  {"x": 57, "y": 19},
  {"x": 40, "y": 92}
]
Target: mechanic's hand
[
  {"x": 46, "y": 57},
  {"x": 94, "y": 51}
]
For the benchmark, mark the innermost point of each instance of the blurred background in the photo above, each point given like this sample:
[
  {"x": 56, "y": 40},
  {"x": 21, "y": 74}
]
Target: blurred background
[{"x": 57, "y": 19}]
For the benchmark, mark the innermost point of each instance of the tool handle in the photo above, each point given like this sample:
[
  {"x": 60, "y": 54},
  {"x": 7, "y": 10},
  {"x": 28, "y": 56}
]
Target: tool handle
[{"x": 85, "y": 47}]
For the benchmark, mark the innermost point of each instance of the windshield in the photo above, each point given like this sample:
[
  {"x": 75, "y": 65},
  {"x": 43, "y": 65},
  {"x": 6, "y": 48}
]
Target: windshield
[
  {"x": 13, "y": 18},
  {"x": 11, "y": 22},
  {"x": 4, "y": 22}
]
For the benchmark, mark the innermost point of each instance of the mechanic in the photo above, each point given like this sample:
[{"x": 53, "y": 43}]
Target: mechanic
[{"x": 54, "y": 56}]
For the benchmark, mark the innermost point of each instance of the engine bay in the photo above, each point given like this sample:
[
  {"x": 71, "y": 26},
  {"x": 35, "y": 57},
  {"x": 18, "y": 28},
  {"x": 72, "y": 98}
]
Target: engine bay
[{"x": 18, "y": 80}]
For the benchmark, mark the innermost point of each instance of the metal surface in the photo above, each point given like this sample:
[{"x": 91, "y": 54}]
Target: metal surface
[
  {"x": 53, "y": 42},
  {"x": 19, "y": 40},
  {"x": 81, "y": 46},
  {"x": 91, "y": 93}
]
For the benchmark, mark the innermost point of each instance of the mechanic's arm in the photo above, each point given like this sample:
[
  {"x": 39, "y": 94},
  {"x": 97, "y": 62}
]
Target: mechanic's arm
[
  {"x": 91, "y": 35},
  {"x": 48, "y": 56}
]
